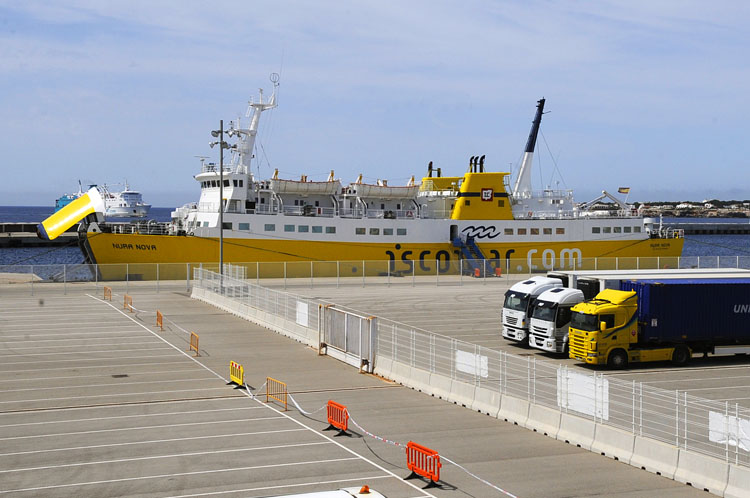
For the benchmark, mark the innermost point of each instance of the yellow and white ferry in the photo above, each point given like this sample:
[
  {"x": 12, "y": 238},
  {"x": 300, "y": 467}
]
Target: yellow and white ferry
[{"x": 417, "y": 227}]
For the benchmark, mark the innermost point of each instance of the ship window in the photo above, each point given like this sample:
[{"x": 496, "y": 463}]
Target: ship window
[
  {"x": 245, "y": 226},
  {"x": 398, "y": 206},
  {"x": 240, "y": 183},
  {"x": 618, "y": 229},
  {"x": 317, "y": 203},
  {"x": 227, "y": 225},
  {"x": 501, "y": 203},
  {"x": 262, "y": 200},
  {"x": 388, "y": 231},
  {"x": 374, "y": 231},
  {"x": 213, "y": 183},
  {"x": 508, "y": 231},
  {"x": 595, "y": 229},
  {"x": 401, "y": 231},
  {"x": 296, "y": 202},
  {"x": 382, "y": 206},
  {"x": 467, "y": 202},
  {"x": 205, "y": 223},
  {"x": 359, "y": 231},
  {"x": 330, "y": 229},
  {"x": 234, "y": 182},
  {"x": 288, "y": 228},
  {"x": 521, "y": 231},
  {"x": 607, "y": 229},
  {"x": 559, "y": 231},
  {"x": 627, "y": 229},
  {"x": 637, "y": 229},
  {"x": 226, "y": 183},
  {"x": 547, "y": 231},
  {"x": 303, "y": 228},
  {"x": 269, "y": 227},
  {"x": 316, "y": 229},
  {"x": 534, "y": 231}
]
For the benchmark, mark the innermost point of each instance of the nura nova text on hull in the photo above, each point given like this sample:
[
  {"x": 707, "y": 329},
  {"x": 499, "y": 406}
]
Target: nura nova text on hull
[{"x": 438, "y": 222}]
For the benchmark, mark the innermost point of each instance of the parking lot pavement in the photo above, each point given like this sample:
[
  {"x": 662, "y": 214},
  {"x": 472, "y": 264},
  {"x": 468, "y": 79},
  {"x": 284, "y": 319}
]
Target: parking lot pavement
[{"x": 99, "y": 402}]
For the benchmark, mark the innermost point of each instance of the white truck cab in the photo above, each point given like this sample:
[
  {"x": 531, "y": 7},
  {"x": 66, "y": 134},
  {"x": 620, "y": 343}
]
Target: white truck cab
[
  {"x": 550, "y": 319},
  {"x": 519, "y": 304}
]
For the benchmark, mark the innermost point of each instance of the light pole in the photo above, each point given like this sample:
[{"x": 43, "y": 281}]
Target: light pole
[{"x": 222, "y": 145}]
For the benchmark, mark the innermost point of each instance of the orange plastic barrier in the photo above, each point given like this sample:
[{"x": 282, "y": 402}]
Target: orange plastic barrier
[
  {"x": 194, "y": 343},
  {"x": 159, "y": 320},
  {"x": 423, "y": 461},
  {"x": 127, "y": 303},
  {"x": 338, "y": 416},
  {"x": 498, "y": 272},
  {"x": 108, "y": 293},
  {"x": 236, "y": 373},
  {"x": 477, "y": 273},
  {"x": 276, "y": 390}
]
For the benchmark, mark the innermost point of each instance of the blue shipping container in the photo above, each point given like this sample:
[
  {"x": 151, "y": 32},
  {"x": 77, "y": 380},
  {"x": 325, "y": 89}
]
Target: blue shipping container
[{"x": 711, "y": 311}]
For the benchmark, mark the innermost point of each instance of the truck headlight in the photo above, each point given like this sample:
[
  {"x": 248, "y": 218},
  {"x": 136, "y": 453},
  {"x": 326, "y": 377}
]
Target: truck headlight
[{"x": 591, "y": 355}]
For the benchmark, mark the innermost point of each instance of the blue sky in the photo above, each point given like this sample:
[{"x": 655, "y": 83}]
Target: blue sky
[{"x": 651, "y": 95}]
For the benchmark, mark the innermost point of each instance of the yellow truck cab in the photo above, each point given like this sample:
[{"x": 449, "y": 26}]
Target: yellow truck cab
[
  {"x": 605, "y": 330},
  {"x": 602, "y": 329}
]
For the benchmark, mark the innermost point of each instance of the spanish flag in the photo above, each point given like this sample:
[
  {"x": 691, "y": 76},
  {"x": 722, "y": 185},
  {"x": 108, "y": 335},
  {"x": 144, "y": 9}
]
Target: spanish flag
[{"x": 624, "y": 190}]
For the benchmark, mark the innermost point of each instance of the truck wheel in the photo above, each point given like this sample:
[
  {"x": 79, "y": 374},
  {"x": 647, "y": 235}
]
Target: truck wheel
[
  {"x": 617, "y": 359},
  {"x": 680, "y": 356}
]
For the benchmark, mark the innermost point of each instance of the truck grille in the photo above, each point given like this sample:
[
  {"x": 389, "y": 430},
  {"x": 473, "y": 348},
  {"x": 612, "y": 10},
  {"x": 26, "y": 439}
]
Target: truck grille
[
  {"x": 577, "y": 345},
  {"x": 511, "y": 320},
  {"x": 540, "y": 331}
]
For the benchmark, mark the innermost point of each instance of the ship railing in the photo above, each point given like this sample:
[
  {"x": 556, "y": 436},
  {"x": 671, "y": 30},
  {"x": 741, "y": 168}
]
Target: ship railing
[
  {"x": 211, "y": 168},
  {"x": 141, "y": 227},
  {"x": 309, "y": 210},
  {"x": 392, "y": 214}
]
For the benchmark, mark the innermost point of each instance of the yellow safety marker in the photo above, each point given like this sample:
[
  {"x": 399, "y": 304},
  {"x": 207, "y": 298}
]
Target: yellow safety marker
[
  {"x": 194, "y": 343},
  {"x": 276, "y": 390},
  {"x": 159, "y": 320},
  {"x": 108, "y": 293},
  {"x": 127, "y": 303},
  {"x": 57, "y": 223},
  {"x": 236, "y": 374}
]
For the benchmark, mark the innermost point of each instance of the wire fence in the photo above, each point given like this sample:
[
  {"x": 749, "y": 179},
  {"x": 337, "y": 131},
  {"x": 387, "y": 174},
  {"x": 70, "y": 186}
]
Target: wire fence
[
  {"x": 714, "y": 428},
  {"x": 400, "y": 270}
]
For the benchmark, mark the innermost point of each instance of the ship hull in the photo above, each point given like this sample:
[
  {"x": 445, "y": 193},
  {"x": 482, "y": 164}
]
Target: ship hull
[{"x": 107, "y": 249}]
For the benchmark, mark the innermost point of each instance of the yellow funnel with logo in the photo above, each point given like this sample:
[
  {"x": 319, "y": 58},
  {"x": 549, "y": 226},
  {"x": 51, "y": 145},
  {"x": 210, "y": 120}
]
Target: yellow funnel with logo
[{"x": 57, "y": 223}]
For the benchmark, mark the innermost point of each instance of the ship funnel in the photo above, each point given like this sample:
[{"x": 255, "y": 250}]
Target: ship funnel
[
  {"x": 471, "y": 164},
  {"x": 89, "y": 203},
  {"x": 481, "y": 164},
  {"x": 429, "y": 170}
]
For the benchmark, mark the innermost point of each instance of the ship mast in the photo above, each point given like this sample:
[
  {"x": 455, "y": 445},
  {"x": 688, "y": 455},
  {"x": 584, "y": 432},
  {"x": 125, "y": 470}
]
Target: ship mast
[
  {"x": 247, "y": 135},
  {"x": 522, "y": 187}
]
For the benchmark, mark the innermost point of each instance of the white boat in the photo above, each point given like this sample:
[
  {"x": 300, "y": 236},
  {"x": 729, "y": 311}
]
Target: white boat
[{"x": 124, "y": 204}]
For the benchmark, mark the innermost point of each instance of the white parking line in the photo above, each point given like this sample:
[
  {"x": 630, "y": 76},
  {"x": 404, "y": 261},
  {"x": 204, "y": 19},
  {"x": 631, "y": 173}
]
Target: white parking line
[
  {"x": 102, "y": 358},
  {"x": 66, "y": 334},
  {"x": 162, "y": 457},
  {"x": 141, "y": 428},
  {"x": 291, "y": 486},
  {"x": 36, "y": 380},
  {"x": 10, "y": 347},
  {"x": 68, "y": 338},
  {"x": 114, "y": 395},
  {"x": 111, "y": 384},
  {"x": 179, "y": 474},
  {"x": 126, "y": 365},
  {"x": 155, "y": 441},
  {"x": 139, "y": 415}
]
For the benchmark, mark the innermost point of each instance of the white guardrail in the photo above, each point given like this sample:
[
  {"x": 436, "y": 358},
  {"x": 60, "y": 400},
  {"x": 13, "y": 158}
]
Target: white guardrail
[{"x": 693, "y": 440}]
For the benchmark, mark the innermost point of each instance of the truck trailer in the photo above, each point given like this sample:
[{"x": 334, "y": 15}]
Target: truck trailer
[{"x": 662, "y": 320}]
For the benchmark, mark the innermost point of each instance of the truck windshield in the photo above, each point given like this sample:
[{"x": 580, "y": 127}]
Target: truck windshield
[
  {"x": 544, "y": 310},
  {"x": 583, "y": 321},
  {"x": 516, "y": 301}
]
